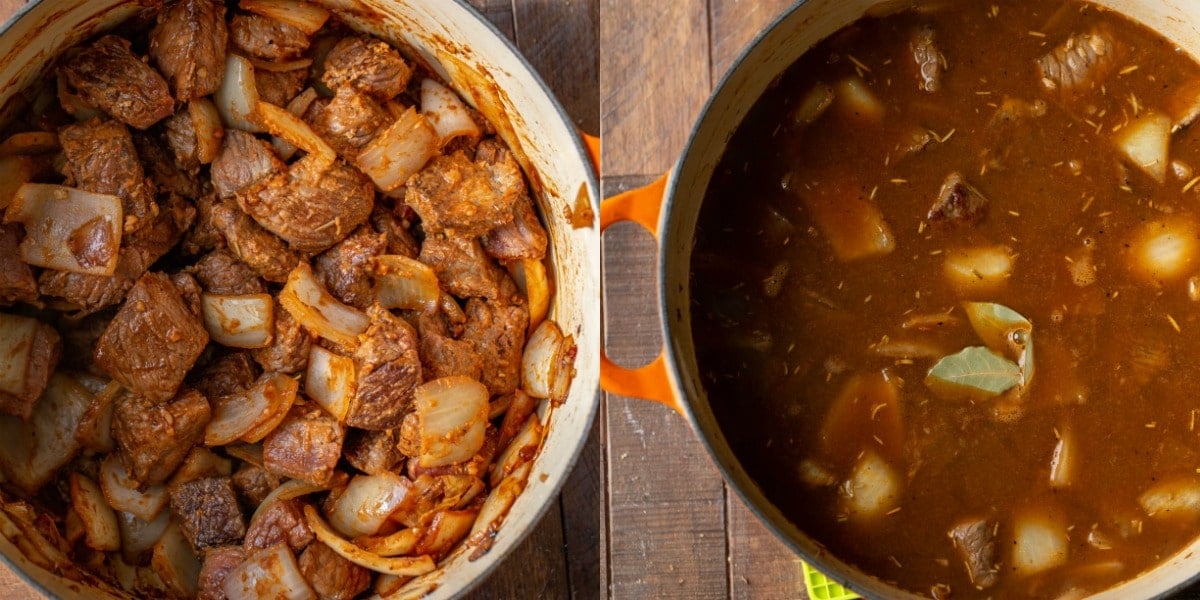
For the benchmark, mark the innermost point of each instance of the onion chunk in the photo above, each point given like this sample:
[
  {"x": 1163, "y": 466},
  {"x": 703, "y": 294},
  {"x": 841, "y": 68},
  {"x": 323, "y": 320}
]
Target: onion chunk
[
  {"x": 313, "y": 307},
  {"x": 452, "y": 417},
  {"x": 330, "y": 381},
  {"x": 405, "y": 566},
  {"x": 446, "y": 112},
  {"x": 237, "y": 98},
  {"x": 89, "y": 224},
  {"x": 399, "y": 151},
  {"x": 239, "y": 321},
  {"x": 405, "y": 283}
]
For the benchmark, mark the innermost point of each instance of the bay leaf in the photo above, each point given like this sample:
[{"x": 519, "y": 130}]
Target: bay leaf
[{"x": 976, "y": 371}]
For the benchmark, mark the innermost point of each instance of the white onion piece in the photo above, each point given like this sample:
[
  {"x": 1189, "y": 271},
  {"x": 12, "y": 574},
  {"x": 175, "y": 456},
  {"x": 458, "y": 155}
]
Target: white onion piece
[
  {"x": 17, "y": 336},
  {"x": 206, "y": 120},
  {"x": 138, "y": 536},
  {"x": 319, "y": 312},
  {"x": 200, "y": 462},
  {"x": 405, "y": 566},
  {"x": 175, "y": 563},
  {"x": 452, "y": 418},
  {"x": 298, "y": 106},
  {"x": 495, "y": 508},
  {"x": 302, "y": 15},
  {"x": 403, "y": 282},
  {"x": 98, "y": 519},
  {"x": 15, "y": 171},
  {"x": 446, "y": 112},
  {"x": 290, "y": 128},
  {"x": 521, "y": 450},
  {"x": 237, "y": 98},
  {"x": 251, "y": 415},
  {"x": 246, "y": 321},
  {"x": 330, "y": 381},
  {"x": 399, "y": 151},
  {"x": 55, "y": 216},
  {"x": 271, "y": 573},
  {"x": 531, "y": 278},
  {"x": 446, "y": 529},
  {"x": 121, "y": 491},
  {"x": 29, "y": 142},
  {"x": 548, "y": 364},
  {"x": 366, "y": 503},
  {"x": 292, "y": 488},
  {"x": 281, "y": 67},
  {"x": 32, "y": 451},
  {"x": 396, "y": 544}
]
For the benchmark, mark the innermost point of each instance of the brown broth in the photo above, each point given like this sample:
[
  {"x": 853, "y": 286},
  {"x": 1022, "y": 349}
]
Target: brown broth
[{"x": 1114, "y": 358}]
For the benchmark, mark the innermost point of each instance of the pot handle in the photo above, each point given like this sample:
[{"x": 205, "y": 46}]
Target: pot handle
[{"x": 651, "y": 382}]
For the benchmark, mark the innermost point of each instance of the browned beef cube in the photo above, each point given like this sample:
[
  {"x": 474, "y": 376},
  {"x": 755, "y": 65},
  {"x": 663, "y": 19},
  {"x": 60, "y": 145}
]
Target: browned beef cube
[
  {"x": 228, "y": 375},
  {"x": 368, "y": 65},
  {"x": 929, "y": 60},
  {"x": 218, "y": 562},
  {"x": 350, "y": 121},
  {"x": 220, "y": 272},
  {"x": 189, "y": 290},
  {"x": 958, "y": 202},
  {"x": 153, "y": 341},
  {"x": 331, "y": 576},
  {"x": 523, "y": 238},
  {"x": 101, "y": 158},
  {"x": 188, "y": 45},
  {"x": 256, "y": 247},
  {"x": 311, "y": 206},
  {"x": 153, "y": 438},
  {"x": 389, "y": 370},
  {"x": 280, "y": 87},
  {"x": 372, "y": 452},
  {"x": 180, "y": 134},
  {"x": 204, "y": 236},
  {"x": 399, "y": 239},
  {"x": 160, "y": 162},
  {"x": 108, "y": 75},
  {"x": 16, "y": 278},
  {"x": 266, "y": 38},
  {"x": 345, "y": 268},
  {"x": 89, "y": 293},
  {"x": 453, "y": 192},
  {"x": 243, "y": 161},
  {"x": 461, "y": 266},
  {"x": 975, "y": 540},
  {"x": 1080, "y": 63},
  {"x": 208, "y": 512},
  {"x": 443, "y": 356},
  {"x": 290, "y": 345},
  {"x": 497, "y": 330},
  {"x": 253, "y": 484},
  {"x": 44, "y": 352},
  {"x": 282, "y": 521},
  {"x": 305, "y": 446}
]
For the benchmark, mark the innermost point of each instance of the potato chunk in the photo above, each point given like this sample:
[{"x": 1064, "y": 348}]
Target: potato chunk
[
  {"x": 1173, "y": 499},
  {"x": 1163, "y": 251},
  {"x": 866, "y": 403},
  {"x": 856, "y": 100},
  {"x": 873, "y": 489},
  {"x": 1062, "y": 462},
  {"x": 978, "y": 270},
  {"x": 1146, "y": 143},
  {"x": 850, "y": 222},
  {"x": 1039, "y": 544}
]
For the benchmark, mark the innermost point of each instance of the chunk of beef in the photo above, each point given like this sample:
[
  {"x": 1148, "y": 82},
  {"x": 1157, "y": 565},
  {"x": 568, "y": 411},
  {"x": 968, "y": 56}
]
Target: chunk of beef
[
  {"x": 958, "y": 202},
  {"x": 153, "y": 341},
  {"x": 180, "y": 134},
  {"x": 101, "y": 158},
  {"x": 253, "y": 484},
  {"x": 265, "y": 38},
  {"x": 227, "y": 375},
  {"x": 204, "y": 236},
  {"x": 243, "y": 161},
  {"x": 188, "y": 45},
  {"x": 521, "y": 239},
  {"x": 111, "y": 77},
  {"x": 153, "y": 438},
  {"x": 306, "y": 445},
  {"x": 208, "y": 512},
  {"x": 279, "y": 87},
  {"x": 975, "y": 541},
  {"x": 163, "y": 171},
  {"x": 331, "y": 576},
  {"x": 311, "y": 207},
  {"x": 930, "y": 61},
  {"x": 289, "y": 348},
  {"x": 218, "y": 562},
  {"x": 1081, "y": 62},
  {"x": 442, "y": 355},
  {"x": 389, "y": 370},
  {"x": 220, "y": 272},
  {"x": 368, "y": 65},
  {"x": 43, "y": 357},
  {"x": 253, "y": 245},
  {"x": 16, "y": 278},
  {"x": 399, "y": 239},
  {"x": 282, "y": 521},
  {"x": 89, "y": 293},
  {"x": 189, "y": 290},
  {"x": 497, "y": 330},
  {"x": 452, "y": 192},
  {"x": 462, "y": 267},
  {"x": 372, "y": 452},
  {"x": 345, "y": 268},
  {"x": 349, "y": 121}
]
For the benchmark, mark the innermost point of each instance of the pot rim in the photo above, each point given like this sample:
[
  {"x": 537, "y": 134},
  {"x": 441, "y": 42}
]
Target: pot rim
[{"x": 593, "y": 188}]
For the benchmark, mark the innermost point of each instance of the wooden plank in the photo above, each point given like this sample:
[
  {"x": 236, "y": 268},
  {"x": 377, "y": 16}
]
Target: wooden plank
[
  {"x": 535, "y": 569},
  {"x": 654, "y": 79},
  {"x": 734, "y": 25},
  {"x": 560, "y": 40},
  {"x": 500, "y": 13},
  {"x": 584, "y": 518}
]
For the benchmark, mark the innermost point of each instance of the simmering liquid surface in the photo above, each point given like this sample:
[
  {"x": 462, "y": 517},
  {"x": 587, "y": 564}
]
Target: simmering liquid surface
[{"x": 828, "y": 282}]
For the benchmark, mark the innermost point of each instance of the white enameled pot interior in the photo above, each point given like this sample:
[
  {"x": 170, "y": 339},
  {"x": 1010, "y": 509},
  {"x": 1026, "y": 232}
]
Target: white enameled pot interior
[
  {"x": 776, "y": 49},
  {"x": 480, "y": 64}
]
